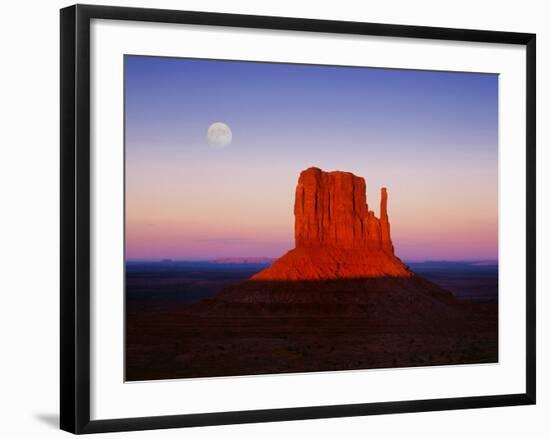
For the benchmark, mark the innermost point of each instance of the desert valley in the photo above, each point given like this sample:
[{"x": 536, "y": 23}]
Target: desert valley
[{"x": 341, "y": 299}]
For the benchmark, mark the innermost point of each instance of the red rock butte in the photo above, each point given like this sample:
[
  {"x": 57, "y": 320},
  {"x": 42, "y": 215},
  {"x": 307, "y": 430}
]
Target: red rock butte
[{"x": 336, "y": 235}]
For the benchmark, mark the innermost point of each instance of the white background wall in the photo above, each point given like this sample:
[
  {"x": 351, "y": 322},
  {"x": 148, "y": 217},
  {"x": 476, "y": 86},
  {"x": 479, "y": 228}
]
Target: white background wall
[{"x": 29, "y": 205}]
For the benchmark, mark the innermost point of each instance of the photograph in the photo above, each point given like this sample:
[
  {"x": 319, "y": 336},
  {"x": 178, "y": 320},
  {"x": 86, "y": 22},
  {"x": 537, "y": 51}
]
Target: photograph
[{"x": 298, "y": 218}]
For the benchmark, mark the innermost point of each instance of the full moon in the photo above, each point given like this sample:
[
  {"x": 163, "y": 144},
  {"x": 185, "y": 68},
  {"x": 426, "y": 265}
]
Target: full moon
[{"x": 219, "y": 135}]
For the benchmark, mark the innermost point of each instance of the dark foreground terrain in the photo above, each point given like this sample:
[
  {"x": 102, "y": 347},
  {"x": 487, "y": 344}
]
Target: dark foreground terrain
[{"x": 178, "y": 326}]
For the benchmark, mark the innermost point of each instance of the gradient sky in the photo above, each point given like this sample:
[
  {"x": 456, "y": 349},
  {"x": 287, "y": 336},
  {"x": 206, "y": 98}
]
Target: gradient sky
[{"x": 430, "y": 137}]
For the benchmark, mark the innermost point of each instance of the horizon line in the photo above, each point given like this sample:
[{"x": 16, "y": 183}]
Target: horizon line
[{"x": 416, "y": 261}]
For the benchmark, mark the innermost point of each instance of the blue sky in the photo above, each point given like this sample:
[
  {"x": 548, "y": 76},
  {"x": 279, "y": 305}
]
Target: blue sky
[{"x": 431, "y": 137}]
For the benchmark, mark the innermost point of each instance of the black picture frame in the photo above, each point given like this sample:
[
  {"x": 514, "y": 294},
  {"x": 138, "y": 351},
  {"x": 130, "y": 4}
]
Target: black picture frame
[{"x": 75, "y": 217}]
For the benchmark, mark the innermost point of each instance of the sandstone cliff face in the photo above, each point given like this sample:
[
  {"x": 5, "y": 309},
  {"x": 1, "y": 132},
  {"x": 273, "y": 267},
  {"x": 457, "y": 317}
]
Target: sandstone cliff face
[
  {"x": 336, "y": 235},
  {"x": 331, "y": 210}
]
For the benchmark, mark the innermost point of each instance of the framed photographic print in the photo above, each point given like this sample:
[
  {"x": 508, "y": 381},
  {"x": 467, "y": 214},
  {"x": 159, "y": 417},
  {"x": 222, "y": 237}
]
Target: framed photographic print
[{"x": 267, "y": 218}]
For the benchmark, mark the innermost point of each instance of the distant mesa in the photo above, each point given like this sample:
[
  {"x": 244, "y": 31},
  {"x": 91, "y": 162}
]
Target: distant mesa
[
  {"x": 336, "y": 235},
  {"x": 248, "y": 260}
]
